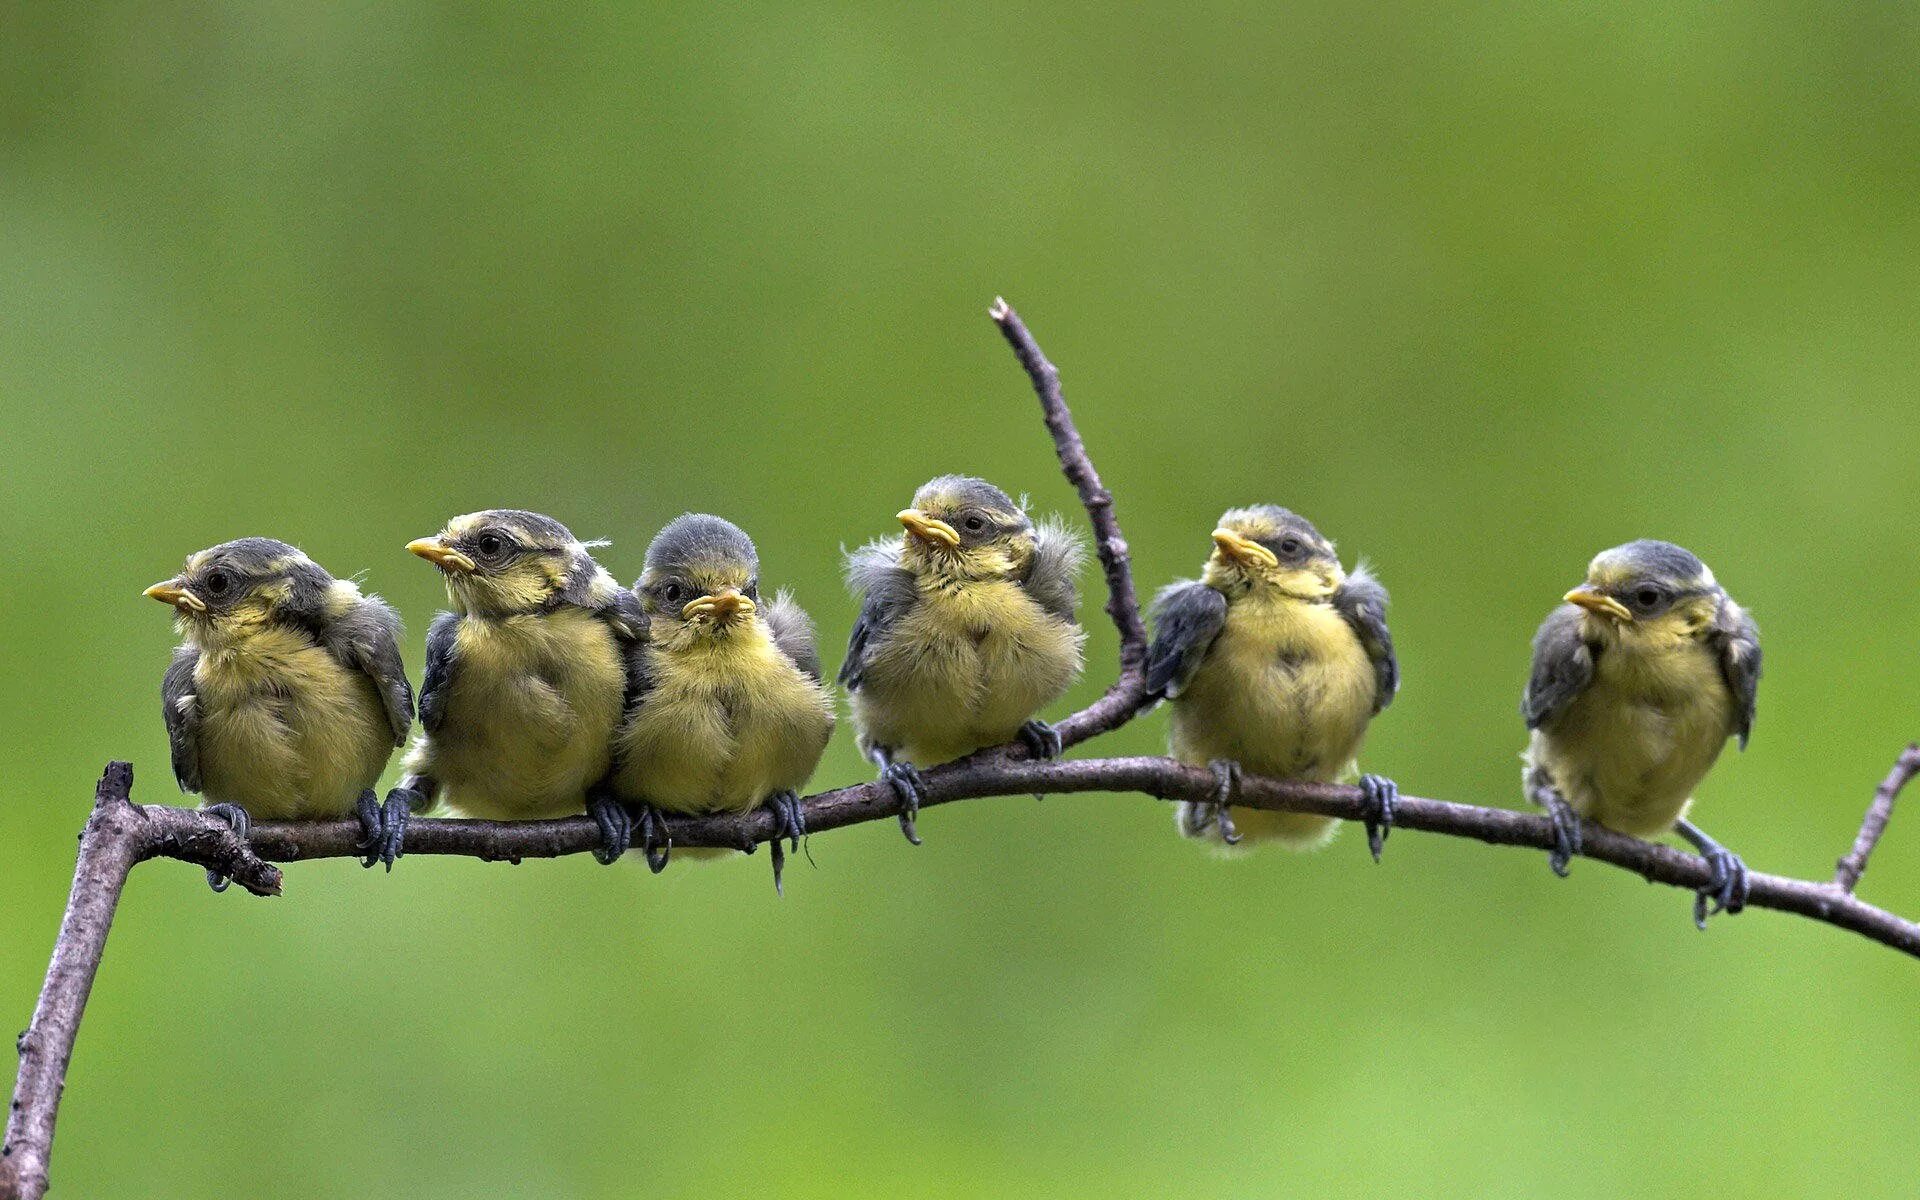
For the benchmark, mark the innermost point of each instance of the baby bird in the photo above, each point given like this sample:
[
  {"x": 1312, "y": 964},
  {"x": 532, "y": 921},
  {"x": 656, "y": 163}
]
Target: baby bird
[
  {"x": 1638, "y": 681},
  {"x": 286, "y": 696},
  {"x": 526, "y": 677},
  {"x": 728, "y": 712},
  {"x": 966, "y": 630},
  {"x": 1275, "y": 661}
]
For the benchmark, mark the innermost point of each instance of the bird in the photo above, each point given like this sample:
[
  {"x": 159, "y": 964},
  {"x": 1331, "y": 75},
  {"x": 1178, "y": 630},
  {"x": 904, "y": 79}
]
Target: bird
[
  {"x": 1274, "y": 661},
  {"x": 527, "y": 676},
  {"x": 1638, "y": 681},
  {"x": 728, "y": 712},
  {"x": 966, "y": 631},
  {"x": 287, "y": 694}
]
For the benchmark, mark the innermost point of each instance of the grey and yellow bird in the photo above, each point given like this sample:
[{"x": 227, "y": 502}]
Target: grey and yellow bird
[
  {"x": 287, "y": 695},
  {"x": 966, "y": 631},
  {"x": 526, "y": 677},
  {"x": 1638, "y": 680},
  {"x": 727, "y": 713},
  {"x": 1274, "y": 661}
]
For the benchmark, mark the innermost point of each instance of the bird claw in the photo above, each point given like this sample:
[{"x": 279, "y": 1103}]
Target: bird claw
[
  {"x": 790, "y": 822},
  {"x": 241, "y": 824},
  {"x": 1041, "y": 739},
  {"x": 616, "y": 827},
  {"x": 1226, "y": 787},
  {"x": 1726, "y": 889},
  {"x": 1380, "y": 792},
  {"x": 904, "y": 779},
  {"x": 1566, "y": 833},
  {"x": 384, "y": 829},
  {"x": 655, "y": 843}
]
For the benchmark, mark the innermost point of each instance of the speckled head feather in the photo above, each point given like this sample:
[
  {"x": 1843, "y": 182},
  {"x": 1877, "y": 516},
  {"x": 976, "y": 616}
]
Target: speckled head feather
[
  {"x": 699, "y": 542},
  {"x": 254, "y": 579},
  {"x": 532, "y": 530},
  {"x": 1271, "y": 526},
  {"x": 954, "y": 493},
  {"x": 1651, "y": 561},
  {"x": 506, "y": 561}
]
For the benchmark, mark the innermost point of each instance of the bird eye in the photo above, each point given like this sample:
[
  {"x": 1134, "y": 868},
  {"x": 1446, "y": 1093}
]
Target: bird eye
[
  {"x": 218, "y": 583},
  {"x": 490, "y": 543},
  {"x": 1290, "y": 546},
  {"x": 1647, "y": 597},
  {"x": 975, "y": 523},
  {"x": 671, "y": 593}
]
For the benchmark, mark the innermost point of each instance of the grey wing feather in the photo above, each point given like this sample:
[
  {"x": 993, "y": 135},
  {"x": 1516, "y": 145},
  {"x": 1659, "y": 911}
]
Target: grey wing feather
[
  {"x": 367, "y": 639},
  {"x": 1562, "y": 667},
  {"x": 626, "y": 615},
  {"x": 1362, "y": 600},
  {"x": 1059, "y": 554},
  {"x": 1187, "y": 617},
  {"x": 181, "y": 708},
  {"x": 439, "y": 673},
  {"x": 887, "y": 592},
  {"x": 1737, "y": 640},
  {"x": 793, "y": 634}
]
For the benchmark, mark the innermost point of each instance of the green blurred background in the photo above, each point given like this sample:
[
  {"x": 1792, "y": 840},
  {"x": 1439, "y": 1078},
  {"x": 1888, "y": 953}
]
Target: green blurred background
[{"x": 1481, "y": 289}]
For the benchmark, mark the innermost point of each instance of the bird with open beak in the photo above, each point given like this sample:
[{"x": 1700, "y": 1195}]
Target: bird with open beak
[
  {"x": 1638, "y": 681},
  {"x": 966, "y": 631},
  {"x": 727, "y": 712},
  {"x": 526, "y": 676},
  {"x": 1274, "y": 661},
  {"x": 287, "y": 695}
]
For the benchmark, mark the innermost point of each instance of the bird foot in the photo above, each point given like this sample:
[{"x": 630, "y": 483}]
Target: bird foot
[
  {"x": 241, "y": 824},
  {"x": 616, "y": 827},
  {"x": 384, "y": 829},
  {"x": 1566, "y": 832},
  {"x": 1727, "y": 890},
  {"x": 1380, "y": 792},
  {"x": 790, "y": 822},
  {"x": 904, "y": 779},
  {"x": 1226, "y": 788},
  {"x": 655, "y": 843},
  {"x": 1041, "y": 739}
]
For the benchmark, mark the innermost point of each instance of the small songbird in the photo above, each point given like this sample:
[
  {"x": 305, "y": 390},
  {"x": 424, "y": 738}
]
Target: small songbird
[
  {"x": 526, "y": 678},
  {"x": 1638, "y": 681},
  {"x": 966, "y": 630},
  {"x": 727, "y": 712},
  {"x": 287, "y": 695},
  {"x": 1274, "y": 661}
]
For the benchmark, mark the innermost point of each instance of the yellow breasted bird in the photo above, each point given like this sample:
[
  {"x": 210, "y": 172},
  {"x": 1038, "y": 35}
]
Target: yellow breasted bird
[
  {"x": 526, "y": 678},
  {"x": 727, "y": 712},
  {"x": 287, "y": 695},
  {"x": 1638, "y": 681},
  {"x": 966, "y": 630},
  {"x": 1274, "y": 661}
]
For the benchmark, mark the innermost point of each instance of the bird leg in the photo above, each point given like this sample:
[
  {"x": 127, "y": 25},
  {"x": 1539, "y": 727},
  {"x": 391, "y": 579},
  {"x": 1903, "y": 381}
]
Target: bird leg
[
  {"x": 241, "y": 824},
  {"x": 789, "y": 821},
  {"x": 1381, "y": 792},
  {"x": 1566, "y": 822},
  {"x": 906, "y": 783},
  {"x": 616, "y": 824},
  {"x": 655, "y": 843},
  {"x": 1041, "y": 739},
  {"x": 1226, "y": 788},
  {"x": 1728, "y": 887}
]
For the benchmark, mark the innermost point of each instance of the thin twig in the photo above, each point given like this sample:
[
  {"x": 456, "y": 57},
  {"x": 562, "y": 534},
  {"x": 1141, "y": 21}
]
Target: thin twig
[{"x": 1847, "y": 872}]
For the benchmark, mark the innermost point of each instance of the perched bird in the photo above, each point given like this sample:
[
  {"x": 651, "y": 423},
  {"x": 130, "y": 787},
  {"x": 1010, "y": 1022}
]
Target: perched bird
[
  {"x": 727, "y": 712},
  {"x": 1275, "y": 661},
  {"x": 287, "y": 695},
  {"x": 526, "y": 677},
  {"x": 966, "y": 630},
  {"x": 1638, "y": 681}
]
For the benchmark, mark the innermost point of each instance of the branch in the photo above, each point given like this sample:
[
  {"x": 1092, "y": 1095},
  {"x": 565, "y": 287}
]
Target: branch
[{"x": 1847, "y": 872}]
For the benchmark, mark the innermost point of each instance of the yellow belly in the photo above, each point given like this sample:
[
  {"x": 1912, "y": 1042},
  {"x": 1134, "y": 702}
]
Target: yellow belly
[
  {"x": 530, "y": 716},
  {"x": 1629, "y": 751},
  {"x": 964, "y": 670},
  {"x": 286, "y": 732},
  {"x": 1286, "y": 690}
]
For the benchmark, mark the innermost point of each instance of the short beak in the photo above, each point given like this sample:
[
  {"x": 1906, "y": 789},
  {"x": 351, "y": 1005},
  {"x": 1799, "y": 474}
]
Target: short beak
[
  {"x": 172, "y": 593},
  {"x": 723, "y": 606},
  {"x": 436, "y": 551},
  {"x": 929, "y": 529},
  {"x": 1244, "y": 550},
  {"x": 1599, "y": 602}
]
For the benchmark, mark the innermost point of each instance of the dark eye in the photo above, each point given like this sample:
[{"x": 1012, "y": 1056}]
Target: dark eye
[
  {"x": 1290, "y": 546},
  {"x": 1647, "y": 597},
  {"x": 670, "y": 593},
  {"x": 753, "y": 591},
  {"x": 975, "y": 523},
  {"x": 218, "y": 583},
  {"x": 490, "y": 543}
]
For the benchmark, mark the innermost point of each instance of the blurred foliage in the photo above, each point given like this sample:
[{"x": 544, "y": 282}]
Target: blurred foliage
[{"x": 1480, "y": 288}]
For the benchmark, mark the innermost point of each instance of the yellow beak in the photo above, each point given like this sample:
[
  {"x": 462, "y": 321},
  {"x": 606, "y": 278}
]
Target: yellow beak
[
  {"x": 172, "y": 593},
  {"x": 723, "y": 607},
  {"x": 1245, "y": 551},
  {"x": 436, "y": 551},
  {"x": 930, "y": 530},
  {"x": 1595, "y": 601}
]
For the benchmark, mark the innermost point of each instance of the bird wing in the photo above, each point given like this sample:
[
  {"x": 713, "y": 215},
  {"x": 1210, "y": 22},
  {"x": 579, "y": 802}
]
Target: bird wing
[
  {"x": 793, "y": 634},
  {"x": 181, "y": 708},
  {"x": 439, "y": 673},
  {"x": 1362, "y": 600},
  {"x": 367, "y": 639},
  {"x": 1051, "y": 579},
  {"x": 1187, "y": 617},
  {"x": 1736, "y": 639},
  {"x": 1562, "y": 667},
  {"x": 888, "y": 593}
]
